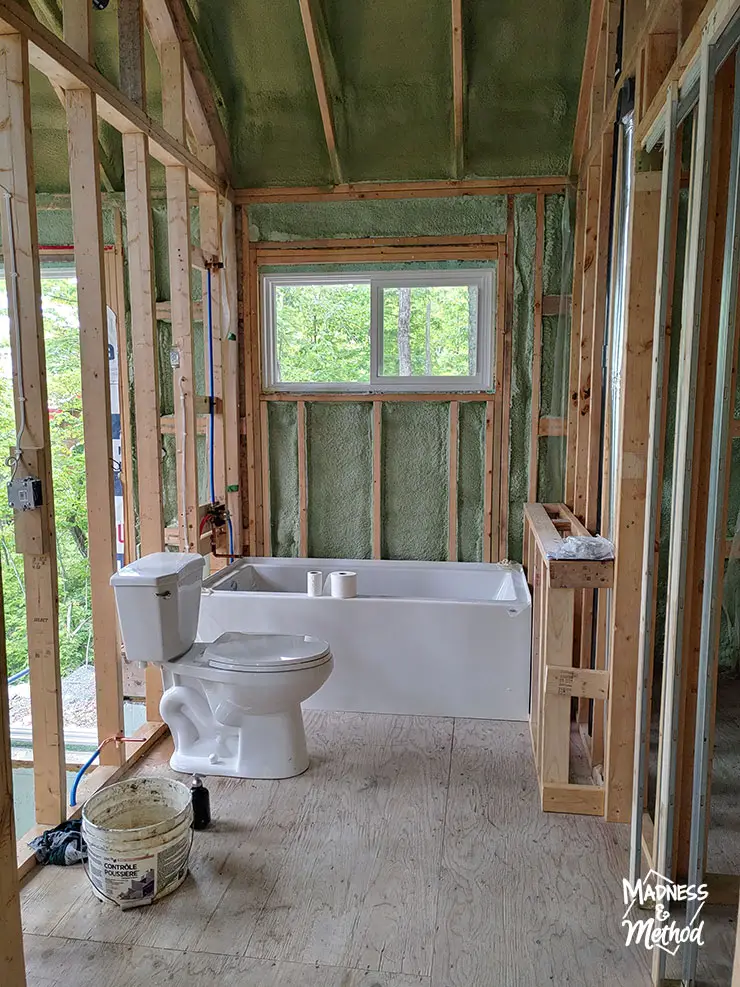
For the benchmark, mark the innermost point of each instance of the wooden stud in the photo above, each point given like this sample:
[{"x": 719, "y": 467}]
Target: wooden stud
[
  {"x": 302, "y": 480},
  {"x": 452, "y": 484},
  {"x": 265, "y": 449},
  {"x": 458, "y": 89},
  {"x": 178, "y": 227},
  {"x": 131, "y": 51},
  {"x": 489, "y": 488},
  {"x": 539, "y": 254},
  {"x": 586, "y": 683},
  {"x": 116, "y": 299},
  {"x": 269, "y": 248},
  {"x": 377, "y": 474},
  {"x": 585, "y": 800},
  {"x": 230, "y": 336},
  {"x": 309, "y": 15},
  {"x": 403, "y": 190},
  {"x": 87, "y": 222},
  {"x": 173, "y": 91},
  {"x": 586, "y": 343},
  {"x": 505, "y": 340},
  {"x": 558, "y": 650},
  {"x": 601, "y": 277},
  {"x": 11, "y": 933},
  {"x": 77, "y": 25},
  {"x": 42, "y": 595},
  {"x": 254, "y": 384},
  {"x": 251, "y": 368},
  {"x": 583, "y": 112},
  {"x": 145, "y": 363},
  {"x": 575, "y": 351},
  {"x": 211, "y": 246},
  {"x": 168, "y": 21}
]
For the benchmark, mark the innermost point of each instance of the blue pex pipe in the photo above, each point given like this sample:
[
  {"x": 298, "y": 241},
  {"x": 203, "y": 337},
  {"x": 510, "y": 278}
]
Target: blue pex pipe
[{"x": 212, "y": 387}]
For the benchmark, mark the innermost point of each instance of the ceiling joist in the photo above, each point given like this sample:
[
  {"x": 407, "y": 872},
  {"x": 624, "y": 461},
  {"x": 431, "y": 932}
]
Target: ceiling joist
[
  {"x": 458, "y": 88},
  {"x": 167, "y": 22},
  {"x": 316, "y": 39},
  {"x": 68, "y": 70}
]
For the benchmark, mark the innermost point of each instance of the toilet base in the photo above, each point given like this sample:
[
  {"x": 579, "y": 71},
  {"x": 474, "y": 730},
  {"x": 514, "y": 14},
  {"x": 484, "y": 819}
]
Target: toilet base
[{"x": 265, "y": 746}]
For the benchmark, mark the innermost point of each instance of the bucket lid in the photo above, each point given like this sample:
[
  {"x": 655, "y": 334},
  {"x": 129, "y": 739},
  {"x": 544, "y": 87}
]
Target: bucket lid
[
  {"x": 159, "y": 567},
  {"x": 234, "y": 651}
]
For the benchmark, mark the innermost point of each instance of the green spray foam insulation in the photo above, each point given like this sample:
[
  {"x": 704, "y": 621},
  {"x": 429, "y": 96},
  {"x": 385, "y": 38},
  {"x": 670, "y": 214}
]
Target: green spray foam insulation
[
  {"x": 284, "y": 510},
  {"x": 415, "y": 480},
  {"x": 340, "y": 479},
  {"x": 521, "y": 370},
  {"x": 470, "y": 477},
  {"x": 428, "y": 533}
]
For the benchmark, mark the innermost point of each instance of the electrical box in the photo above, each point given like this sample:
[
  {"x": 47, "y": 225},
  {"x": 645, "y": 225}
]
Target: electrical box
[{"x": 25, "y": 493}]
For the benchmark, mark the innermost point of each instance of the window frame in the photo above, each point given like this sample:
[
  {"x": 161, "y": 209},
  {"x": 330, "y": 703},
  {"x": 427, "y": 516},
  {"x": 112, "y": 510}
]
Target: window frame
[{"x": 485, "y": 279}]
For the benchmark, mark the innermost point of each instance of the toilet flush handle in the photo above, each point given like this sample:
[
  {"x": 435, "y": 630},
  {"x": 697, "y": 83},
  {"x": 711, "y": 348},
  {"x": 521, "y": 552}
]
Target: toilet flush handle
[{"x": 165, "y": 594}]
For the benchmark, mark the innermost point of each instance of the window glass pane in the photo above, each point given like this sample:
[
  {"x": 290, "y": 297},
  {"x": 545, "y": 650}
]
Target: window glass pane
[
  {"x": 430, "y": 331},
  {"x": 322, "y": 333}
]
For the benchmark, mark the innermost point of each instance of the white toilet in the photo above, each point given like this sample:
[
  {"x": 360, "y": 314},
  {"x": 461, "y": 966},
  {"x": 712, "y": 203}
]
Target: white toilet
[{"x": 233, "y": 704}]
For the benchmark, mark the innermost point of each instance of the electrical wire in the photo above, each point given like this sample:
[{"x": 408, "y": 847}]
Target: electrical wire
[{"x": 14, "y": 460}]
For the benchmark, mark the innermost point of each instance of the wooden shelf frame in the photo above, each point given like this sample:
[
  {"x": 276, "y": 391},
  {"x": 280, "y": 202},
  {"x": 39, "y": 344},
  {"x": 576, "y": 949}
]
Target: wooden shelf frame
[{"x": 557, "y": 677}]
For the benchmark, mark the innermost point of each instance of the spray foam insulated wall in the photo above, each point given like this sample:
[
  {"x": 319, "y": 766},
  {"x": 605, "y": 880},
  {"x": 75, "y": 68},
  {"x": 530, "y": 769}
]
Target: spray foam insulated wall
[{"x": 415, "y": 436}]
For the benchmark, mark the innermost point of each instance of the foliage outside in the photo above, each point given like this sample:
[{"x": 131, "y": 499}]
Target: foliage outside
[
  {"x": 323, "y": 331},
  {"x": 61, "y": 333}
]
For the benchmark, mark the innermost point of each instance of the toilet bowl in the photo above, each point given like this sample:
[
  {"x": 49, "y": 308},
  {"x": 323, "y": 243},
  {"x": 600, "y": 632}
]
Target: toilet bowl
[{"x": 233, "y": 705}]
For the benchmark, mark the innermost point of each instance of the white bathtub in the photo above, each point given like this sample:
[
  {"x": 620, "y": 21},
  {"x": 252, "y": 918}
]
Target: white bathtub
[{"x": 426, "y": 638}]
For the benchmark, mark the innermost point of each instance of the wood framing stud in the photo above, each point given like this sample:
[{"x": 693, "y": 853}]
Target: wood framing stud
[
  {"x": 302, "y": 481},
  {"x": 11, "y": 934},
  {"x": 87, "y": 221},
  {"x": 131, "y": 51},
  {"x": 377, "y": 473},
  {"x": 403, "y": 190},
  {"x": 29, "y": 361},
  {"x": 310, "y": 16},
  {"x": 453, "y": 461},
  {"x": 458, "y": 88}
]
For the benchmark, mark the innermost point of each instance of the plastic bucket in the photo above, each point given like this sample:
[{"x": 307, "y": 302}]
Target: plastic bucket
[{"x": 138, "y": 836}]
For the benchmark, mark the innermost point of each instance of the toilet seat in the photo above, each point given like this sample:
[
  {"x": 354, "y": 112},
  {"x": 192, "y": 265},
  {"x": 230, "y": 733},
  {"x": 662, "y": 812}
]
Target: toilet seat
[{"x": 240, "y": 652}]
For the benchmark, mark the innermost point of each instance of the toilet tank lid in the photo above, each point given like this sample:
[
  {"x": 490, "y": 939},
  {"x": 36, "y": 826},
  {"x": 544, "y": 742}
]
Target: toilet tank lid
[{"x": 159, "y": 567}]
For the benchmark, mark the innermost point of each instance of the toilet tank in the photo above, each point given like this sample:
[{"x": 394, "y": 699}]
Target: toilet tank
[{"x": 158, "y": 603}]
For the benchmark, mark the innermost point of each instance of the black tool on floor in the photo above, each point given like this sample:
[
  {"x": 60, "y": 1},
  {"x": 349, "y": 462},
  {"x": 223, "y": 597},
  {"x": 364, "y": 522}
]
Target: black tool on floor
[{"x": 201, "y": 803}]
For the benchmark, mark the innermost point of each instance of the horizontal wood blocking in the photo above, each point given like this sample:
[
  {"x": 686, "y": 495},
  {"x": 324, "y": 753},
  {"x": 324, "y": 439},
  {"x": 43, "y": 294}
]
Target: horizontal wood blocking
[
  {"x": 586, "y": 683},
  {"x": 402, "y": 190},
  {"x": 581, "y": 800}
]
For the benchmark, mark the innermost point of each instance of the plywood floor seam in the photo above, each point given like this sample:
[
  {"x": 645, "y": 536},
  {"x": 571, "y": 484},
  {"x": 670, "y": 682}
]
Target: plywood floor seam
[{"x": 413, "y": 852}]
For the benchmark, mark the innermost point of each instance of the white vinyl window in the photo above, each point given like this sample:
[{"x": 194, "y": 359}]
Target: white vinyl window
[{"x": 380, "y": 331}]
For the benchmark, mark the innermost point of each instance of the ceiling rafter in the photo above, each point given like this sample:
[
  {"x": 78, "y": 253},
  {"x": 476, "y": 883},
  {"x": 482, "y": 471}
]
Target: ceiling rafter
[
  {"x": 458, "y": 88},
  {"x": 167, "y": 21},
  {"x": 316, "y": 39}
]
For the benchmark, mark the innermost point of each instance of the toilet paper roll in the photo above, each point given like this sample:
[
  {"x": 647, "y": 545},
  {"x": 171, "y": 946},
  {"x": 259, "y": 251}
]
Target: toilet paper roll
[
  {"x": 343, "y": 585},
  {"x": 315, "y": 583}
]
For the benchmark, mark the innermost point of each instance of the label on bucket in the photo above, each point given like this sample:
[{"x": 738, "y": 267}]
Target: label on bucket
[{"x": 132, "y": 881}]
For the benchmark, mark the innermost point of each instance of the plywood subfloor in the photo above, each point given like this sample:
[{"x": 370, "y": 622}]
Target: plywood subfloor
[{"x": 413, "y": 852}]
